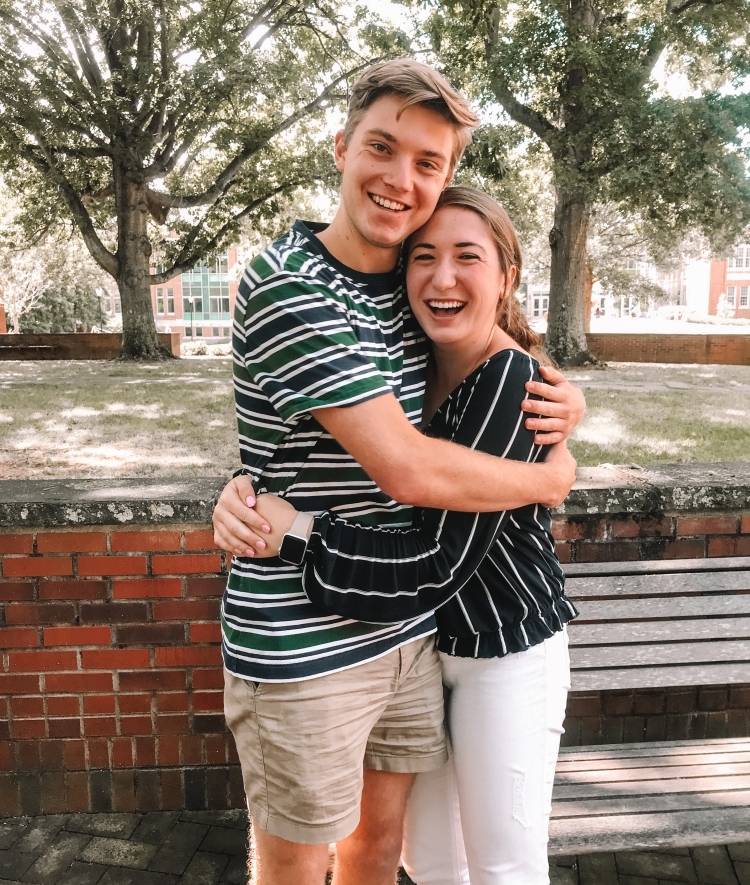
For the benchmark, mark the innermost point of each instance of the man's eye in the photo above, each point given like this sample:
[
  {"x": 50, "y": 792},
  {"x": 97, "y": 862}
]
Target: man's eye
[{"x": 380, "y": 148}]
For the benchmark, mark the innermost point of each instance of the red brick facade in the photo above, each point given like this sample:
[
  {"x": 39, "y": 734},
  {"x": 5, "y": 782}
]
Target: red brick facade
[{"x": 111, "y": 677}]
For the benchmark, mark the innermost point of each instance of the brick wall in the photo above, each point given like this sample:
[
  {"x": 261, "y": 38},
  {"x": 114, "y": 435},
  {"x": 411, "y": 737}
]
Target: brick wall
[
  {"x": 627, "y": 538},
  {"x": 731, "y": 350},
  {"x": 72, "y": 345},
  {"x": 111, "y": 678}
]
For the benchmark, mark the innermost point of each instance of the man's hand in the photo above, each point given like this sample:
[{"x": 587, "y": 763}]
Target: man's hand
[
  {"x": 562, "y": 474},
  {"x": 561, "y": 409},
  {"x": 238, "y": 528}
]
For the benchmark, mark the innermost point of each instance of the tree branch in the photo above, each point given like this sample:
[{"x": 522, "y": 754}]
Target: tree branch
[
  {"x": 188, "y": 257},
  {"x": 103, "y": 257},
  {"x": 229, "y": 174},
  {"x": 520, "y": 112},
  {"x": 77, "y": 34}
]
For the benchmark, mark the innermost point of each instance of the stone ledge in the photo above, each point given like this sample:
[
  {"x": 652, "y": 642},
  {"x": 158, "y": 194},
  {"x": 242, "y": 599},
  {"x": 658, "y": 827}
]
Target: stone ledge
[
  {"x": 661, "y": 488},
  {"x": 124, "y": 502}
]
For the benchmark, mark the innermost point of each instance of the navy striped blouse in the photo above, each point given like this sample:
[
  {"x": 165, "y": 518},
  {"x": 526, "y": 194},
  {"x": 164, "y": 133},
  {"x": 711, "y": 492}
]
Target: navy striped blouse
[{"x": 494, "y": 578}]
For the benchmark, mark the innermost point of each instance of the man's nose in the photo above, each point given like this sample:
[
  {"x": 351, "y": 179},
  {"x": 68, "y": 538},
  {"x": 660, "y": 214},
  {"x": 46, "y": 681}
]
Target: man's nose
[{"x": 399, "y": 175}]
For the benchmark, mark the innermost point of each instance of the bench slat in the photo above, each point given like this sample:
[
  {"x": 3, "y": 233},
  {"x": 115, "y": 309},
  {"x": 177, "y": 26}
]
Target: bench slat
[
  {"x": 658, "y": 585},
  {"x": 711, "y": 826},
  {"x": 683, "y": 774},
  {"x": 654, "y": 748},
  {"x": 649, "y": 787},
  {"x": 652, "y": 566},
  {"x": 659, "y": 677},
  {"x": 651, "y": 609},
  {"x": 600, "y": 656},
  {"x": 648, "y": 804},
  {"x": 663, "y": 762},
  {"x": 657, "y": 631}
]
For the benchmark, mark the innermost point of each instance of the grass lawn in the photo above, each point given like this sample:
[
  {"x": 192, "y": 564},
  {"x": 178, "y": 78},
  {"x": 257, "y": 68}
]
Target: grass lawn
[{"x": 102, "y": 419}]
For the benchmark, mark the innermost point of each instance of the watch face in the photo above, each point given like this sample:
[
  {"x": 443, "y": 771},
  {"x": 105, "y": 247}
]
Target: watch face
[{"x": 293, "y": 549}]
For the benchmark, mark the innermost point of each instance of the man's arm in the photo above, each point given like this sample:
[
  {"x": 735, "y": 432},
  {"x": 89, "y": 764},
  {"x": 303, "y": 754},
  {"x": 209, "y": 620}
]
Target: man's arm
[
  {"x": 238, "y": 528},
  {"x": 416, "y": 469},
  {"x": 411, "y": 468}
]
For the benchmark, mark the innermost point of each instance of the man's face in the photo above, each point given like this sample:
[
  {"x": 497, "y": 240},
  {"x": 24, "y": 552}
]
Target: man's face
[{"x": 393, "y": 171}]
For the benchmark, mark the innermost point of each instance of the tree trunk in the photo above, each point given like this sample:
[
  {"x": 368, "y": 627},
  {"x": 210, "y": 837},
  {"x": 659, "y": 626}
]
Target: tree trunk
[
  {"x": 565, "y": 340},
  {"x": 588, "y": 300},
  {"x": 139, "y": 337}
]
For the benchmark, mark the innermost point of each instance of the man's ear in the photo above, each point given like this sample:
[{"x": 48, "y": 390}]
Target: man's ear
[{"x": 339, "y": 150}]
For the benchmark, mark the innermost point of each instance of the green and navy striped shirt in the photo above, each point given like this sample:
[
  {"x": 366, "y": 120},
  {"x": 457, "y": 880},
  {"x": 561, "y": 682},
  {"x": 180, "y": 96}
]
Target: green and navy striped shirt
[{"x": 311, "y": 333}]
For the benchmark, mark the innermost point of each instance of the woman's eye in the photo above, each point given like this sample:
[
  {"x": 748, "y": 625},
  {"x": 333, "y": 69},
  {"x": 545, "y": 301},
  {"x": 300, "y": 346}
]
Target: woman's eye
[{"x": 425, "y": 256}]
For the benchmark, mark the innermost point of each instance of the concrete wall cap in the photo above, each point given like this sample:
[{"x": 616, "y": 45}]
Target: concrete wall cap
[{"x": 609, "y": 489}]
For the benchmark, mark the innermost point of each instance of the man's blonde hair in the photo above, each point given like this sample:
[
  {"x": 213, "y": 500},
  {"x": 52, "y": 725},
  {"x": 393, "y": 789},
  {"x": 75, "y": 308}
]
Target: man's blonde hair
[{"x": 416, "y": 84}]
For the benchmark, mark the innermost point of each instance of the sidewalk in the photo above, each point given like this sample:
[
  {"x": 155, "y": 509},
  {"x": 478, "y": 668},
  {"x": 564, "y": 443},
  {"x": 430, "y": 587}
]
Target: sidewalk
[{"x": 210, "y": 848}]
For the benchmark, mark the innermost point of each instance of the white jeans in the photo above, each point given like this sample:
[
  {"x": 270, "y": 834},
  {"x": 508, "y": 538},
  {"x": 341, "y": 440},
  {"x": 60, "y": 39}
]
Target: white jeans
[{"x": 483, "y": 818}]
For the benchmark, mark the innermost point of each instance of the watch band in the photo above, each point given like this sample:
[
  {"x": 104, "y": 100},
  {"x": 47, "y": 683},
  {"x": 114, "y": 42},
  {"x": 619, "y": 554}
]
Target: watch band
[{"x": 294, "y": 543}]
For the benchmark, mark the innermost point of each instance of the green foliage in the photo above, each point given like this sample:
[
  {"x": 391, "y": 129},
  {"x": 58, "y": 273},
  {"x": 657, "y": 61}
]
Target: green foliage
[
  {"x": 216, "y": 108},
  {"x": 63, "y": 310},
  {"x": 577, "y": 76}
]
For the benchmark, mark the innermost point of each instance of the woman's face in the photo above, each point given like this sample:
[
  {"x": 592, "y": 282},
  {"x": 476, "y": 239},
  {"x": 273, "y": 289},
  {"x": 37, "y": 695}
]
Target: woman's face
[{"x": 454, "y": 279}]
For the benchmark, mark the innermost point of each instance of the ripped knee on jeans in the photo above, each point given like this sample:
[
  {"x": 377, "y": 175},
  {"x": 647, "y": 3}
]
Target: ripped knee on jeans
[{"x": 519, "y": 802}]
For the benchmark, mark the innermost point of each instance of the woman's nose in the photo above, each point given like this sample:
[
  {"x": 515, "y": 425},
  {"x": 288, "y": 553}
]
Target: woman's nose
[{"x": 444, "y": 276}]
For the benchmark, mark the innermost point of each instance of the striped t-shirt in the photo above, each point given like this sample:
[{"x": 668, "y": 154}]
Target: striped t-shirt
[
  {"x": 312, "y": 333},
  {"x": 493, "y": 577}
]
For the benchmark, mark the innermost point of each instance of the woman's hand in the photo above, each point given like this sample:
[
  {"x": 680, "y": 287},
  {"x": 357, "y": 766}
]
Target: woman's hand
[
  {"x": 561, "y": 408},
  {"x": 238, "y": 527},
  {"x": 279, "y": 514}
]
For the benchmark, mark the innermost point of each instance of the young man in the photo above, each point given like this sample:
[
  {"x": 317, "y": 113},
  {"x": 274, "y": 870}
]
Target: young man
[{"x": 332, "y": 718}]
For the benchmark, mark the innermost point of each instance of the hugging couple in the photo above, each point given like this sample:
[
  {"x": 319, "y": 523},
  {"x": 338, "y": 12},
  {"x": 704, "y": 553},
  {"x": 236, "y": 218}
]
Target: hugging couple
[{"x": 394, "y": 576}]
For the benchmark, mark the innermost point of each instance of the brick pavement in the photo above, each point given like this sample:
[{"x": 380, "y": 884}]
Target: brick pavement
[{"x": 210, "y": 848}]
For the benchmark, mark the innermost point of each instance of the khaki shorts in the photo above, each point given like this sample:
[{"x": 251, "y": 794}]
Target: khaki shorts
[{"x": 303, "y": 745}]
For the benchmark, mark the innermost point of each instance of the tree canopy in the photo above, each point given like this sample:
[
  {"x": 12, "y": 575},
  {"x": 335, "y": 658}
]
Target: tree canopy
[
  {"x": 159, "y": 127},
  {"x": 578, "y": 76}
]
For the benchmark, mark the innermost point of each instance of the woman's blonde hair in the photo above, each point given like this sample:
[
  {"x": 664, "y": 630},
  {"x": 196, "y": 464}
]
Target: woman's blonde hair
[
  {"x": 510, "y": 317},
  {"x": 417, "y": 84}
]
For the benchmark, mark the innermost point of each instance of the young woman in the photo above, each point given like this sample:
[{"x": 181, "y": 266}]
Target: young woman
[{"x": 494, "y": 577}]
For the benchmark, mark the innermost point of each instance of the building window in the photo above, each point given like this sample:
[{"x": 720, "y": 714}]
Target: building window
[
  {"x": 208, "y": 286},
  {"x": 730, "y": 296},
  {"x": 118, "y": 304},
  {"x": 199, "y": 332},
  {"x": 170, "y": 300},
  {"x": 159, "y": 300},
  {"x": 188, "y": 332},
  {"x": 743, "y": 296}
]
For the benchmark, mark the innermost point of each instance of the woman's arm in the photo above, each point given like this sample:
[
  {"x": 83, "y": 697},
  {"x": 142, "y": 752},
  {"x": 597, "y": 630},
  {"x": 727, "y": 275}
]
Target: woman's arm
[{"x": 385, "y": 575}]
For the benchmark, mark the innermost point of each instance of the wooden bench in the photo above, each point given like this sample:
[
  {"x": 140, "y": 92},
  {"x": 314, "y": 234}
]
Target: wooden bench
[{"x": 661, "y": 624}]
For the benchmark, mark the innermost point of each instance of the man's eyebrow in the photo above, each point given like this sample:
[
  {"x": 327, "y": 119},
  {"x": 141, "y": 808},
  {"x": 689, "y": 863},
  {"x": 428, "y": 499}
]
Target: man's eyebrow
[{"x": 384, "y": 134}]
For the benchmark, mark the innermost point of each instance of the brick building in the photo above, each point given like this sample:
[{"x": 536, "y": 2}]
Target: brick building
[{"x": 198, "y": 304}]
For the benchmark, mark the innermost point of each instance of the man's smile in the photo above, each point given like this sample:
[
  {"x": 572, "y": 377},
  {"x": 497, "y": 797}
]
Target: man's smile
[{"x": 387, "y": 204}]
